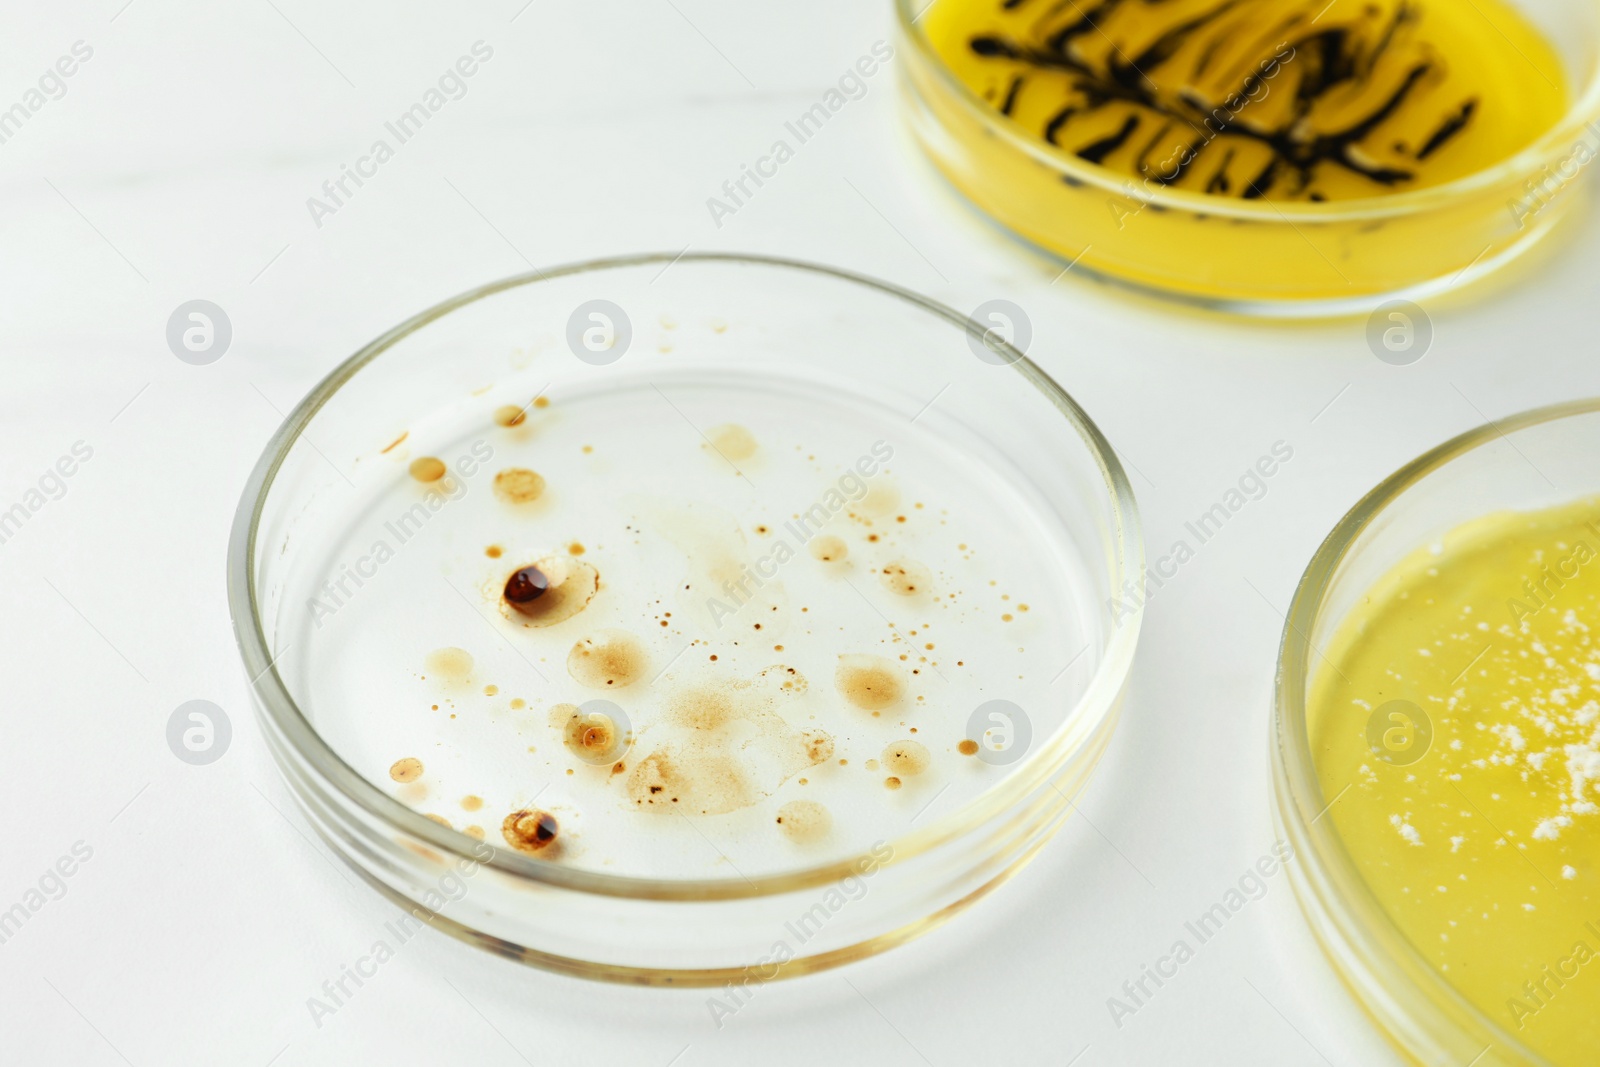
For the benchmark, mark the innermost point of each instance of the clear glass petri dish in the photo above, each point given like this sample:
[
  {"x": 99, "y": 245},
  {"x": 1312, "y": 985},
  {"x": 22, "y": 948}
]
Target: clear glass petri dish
[
  {"x": 1529, "y": 461},
  {"x": 711, "y": 758},
  {"x": 1257, "y": 257}
]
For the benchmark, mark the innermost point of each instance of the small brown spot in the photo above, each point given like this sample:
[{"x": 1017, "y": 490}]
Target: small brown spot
[
  {"x": 474, "y": 831},
  {"x": 427, "y": 469},
  {"x": 530, "y": 830},
  {"x": 471, "y": 802},
  {"x": 575, "y": 549},
  {"x": 441, "y": 820},
  {"x": 517, "y": 703},
  {"x": 494, "y": 552},
  {"x": 541, "y": 401},
  {"x": 491, "y": 690},
  {"x": 406, "y": 770},
  {"x": 891, "y": 782},
  {"x": 518, "y": 485},
  {"x": 510, "y": 415},
  {"x": 392, "y": 445},
  {"x": 968, "y": 747}
]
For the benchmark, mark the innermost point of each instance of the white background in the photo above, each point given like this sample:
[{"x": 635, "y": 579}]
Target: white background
[{"x": 177, "y": 166}]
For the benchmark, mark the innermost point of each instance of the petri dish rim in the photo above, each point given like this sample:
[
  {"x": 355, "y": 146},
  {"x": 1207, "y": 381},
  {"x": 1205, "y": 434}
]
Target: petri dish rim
[
  {"x": 274, "y": 699},
  {"x": 1353, "y": 912},
  {"x": 1582, "y": 112}
]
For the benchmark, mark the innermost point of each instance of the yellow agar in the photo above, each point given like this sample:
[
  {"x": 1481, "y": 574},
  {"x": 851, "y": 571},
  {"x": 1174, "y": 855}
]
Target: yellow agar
[
  {"x": 1460, "y": 705},
  {"x": 1356, "y": 245},
  {"x": 1286, "y": 99}
]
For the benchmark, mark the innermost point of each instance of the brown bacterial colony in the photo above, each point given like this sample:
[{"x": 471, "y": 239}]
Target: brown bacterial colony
[
  {"x": 406, "y": 770},
  {"x": 871, "y": 683},
  {"x": 711, "y": 743},
  {"x": 427, "y": 469},
  {"x": 529, "y": 830},
  {"x": 906, "y": 577},
  {"x": 804, "y": 821},
  {"x": 550, "y": 590},
  {"x": 518, "y": 485},
  {"x": 733, "y": 441},
  {"x": 591, "y": 736},
  {"x": 450, "y": 665},
  {"x": 721, "y": 746},
  {"x": 906, "y": 757},
  {"x": 607, "y": 659},
  {"x": 829, "y": 549},
  {"x": 510, "y": 415}
]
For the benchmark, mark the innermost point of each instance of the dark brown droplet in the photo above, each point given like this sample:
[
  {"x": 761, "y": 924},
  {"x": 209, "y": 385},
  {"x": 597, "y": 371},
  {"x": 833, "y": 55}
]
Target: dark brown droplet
[
  {"x": 526, "y": 585},
  {"x": 550, "y": 590},
  {"x": 529, "y": 830}
]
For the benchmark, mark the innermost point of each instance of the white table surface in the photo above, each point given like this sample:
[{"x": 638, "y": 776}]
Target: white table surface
[{"x": 177, "y": 166}]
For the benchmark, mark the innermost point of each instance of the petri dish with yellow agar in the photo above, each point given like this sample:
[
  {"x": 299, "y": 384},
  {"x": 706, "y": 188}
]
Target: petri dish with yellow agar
[
  {"x": 686, "y": 619},
  {"x": 1273, "y": 157},
  {"x": 1438, "y": 745}
]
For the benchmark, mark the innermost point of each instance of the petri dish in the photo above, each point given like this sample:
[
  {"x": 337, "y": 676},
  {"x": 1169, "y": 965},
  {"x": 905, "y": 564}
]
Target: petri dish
[
  {"x": 635, "y": 618},
  {"x": 1433, "y": 738},
  {"x": 1102, "y": 202}
]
